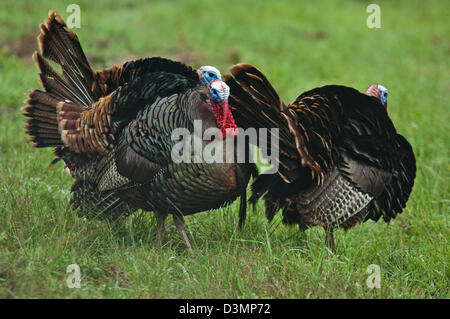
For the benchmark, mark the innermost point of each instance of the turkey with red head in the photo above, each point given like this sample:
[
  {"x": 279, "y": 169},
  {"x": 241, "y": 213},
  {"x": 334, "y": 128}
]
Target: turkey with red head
[
  {"x": 341, "y": 160},
  {"x": 113, "y": 129}
]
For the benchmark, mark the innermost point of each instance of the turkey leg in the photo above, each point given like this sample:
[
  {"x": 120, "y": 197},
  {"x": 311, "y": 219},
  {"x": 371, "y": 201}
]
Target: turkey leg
[
  {"x": 329, "y": 239},
  {"x": 161, "y": 225},
  {"x": 179, "y": 224}
]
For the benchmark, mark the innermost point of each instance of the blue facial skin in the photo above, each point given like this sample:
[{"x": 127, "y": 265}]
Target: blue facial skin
[
  {"x": 210, "y": 76},
  {"x": 384, "y": 95}
]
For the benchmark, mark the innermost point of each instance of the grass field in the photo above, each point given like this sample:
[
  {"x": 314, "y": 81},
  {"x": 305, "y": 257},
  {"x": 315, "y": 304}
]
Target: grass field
[{"x": 299, "y": 45}]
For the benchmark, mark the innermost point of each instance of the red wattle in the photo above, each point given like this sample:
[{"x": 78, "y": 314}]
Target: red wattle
[{"x": 225, "y": 120}]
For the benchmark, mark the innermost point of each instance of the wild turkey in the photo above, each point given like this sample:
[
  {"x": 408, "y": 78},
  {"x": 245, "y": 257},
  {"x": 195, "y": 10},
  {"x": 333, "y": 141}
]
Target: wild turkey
[
  {"x": 341, "y": 160},
  {"x": 113, "y": 130}
]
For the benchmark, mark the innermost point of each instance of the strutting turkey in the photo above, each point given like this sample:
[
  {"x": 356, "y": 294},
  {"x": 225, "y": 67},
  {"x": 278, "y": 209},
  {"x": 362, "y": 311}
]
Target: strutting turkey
[
  {"x": 341, "y": 160},
  {"x": 112, "y": 128}
]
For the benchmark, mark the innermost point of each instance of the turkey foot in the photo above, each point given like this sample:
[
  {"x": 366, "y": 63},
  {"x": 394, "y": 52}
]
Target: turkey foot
[{"x": 179, "y": 223}]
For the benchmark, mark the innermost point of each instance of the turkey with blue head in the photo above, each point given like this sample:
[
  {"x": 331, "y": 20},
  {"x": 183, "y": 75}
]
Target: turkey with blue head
[
  {"x": 113, "y": 129},
  {"x": 341, "y": 160}
]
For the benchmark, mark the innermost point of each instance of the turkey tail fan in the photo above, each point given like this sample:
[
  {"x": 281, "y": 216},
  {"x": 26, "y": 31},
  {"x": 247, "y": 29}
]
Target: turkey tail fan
[
  {"x": 42, "y": 125},
  {"x": 255, "y": 103},
  {"x": 256, "y": 84},
  {"x": 58, "y": 44}
]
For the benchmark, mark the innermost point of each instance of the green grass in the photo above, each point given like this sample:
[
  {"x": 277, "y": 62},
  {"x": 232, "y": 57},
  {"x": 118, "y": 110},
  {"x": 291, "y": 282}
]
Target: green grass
[{"x": 299, "y": 47}]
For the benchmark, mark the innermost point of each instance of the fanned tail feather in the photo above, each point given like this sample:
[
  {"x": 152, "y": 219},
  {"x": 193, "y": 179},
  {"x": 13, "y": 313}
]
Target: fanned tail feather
[
  {"x": 59, "y": 44},
  {"x": 54, "y": 113},
  {"x": 255, "y": 103},
  {"x": 42, "y": 125}
]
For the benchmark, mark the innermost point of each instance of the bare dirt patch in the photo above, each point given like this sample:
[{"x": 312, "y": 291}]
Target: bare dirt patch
[
  {"x": 317, "y": 35},
  {"x": 23, "y": 48}
]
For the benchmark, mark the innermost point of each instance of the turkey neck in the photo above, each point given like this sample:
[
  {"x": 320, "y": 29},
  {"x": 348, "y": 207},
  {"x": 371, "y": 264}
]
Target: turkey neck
[{"x": 224, "y": 119}]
